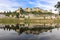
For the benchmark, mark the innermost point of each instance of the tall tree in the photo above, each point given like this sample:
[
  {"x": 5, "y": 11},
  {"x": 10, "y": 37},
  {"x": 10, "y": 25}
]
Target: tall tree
[
  {"x": 21, "y": 10},
  {"x": 58, "y": 6},
  {"x": 17, "y": 15}
]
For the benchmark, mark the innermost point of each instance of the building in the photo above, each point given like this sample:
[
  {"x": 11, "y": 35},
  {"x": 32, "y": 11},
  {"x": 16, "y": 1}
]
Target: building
[
  {"x": 28, "y": 9},
  {"x": 36, "y": 9}
]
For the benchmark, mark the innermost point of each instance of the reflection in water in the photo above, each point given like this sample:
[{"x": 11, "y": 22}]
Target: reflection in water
[
  {"x": 36, "y": 29},
  {"x": 31, "y": 31}
]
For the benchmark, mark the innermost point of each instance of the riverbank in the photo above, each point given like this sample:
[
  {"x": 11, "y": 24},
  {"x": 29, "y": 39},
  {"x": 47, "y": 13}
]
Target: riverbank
[
  {"x": 10, "y": 20},
  {"x": 17, "y": 20}
]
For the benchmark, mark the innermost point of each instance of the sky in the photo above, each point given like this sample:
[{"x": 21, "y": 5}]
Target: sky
[{"x": 11, "y": 5}]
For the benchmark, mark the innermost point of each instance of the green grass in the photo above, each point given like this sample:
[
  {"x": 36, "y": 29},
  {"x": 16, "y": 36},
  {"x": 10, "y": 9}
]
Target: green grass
[
  {"x": 57, "y": 21},
  {"x": 17, "y": 20},
  {"x": 10, "y": 20}
]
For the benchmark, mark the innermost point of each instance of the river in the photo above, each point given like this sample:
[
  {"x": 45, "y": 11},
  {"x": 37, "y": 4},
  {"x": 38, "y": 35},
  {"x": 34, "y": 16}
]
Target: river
[{"x": 30, "y": 32}]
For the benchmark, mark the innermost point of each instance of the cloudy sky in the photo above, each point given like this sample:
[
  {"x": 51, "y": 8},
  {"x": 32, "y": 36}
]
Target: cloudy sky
[{"x": 6, "y": 5}]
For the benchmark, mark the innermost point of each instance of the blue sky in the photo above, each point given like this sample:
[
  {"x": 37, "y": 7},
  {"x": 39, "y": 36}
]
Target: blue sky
[{"x": 6, "y": 5}]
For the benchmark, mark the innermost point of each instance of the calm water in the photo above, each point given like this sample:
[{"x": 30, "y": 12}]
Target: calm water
[{"x": 30, "y": 32}]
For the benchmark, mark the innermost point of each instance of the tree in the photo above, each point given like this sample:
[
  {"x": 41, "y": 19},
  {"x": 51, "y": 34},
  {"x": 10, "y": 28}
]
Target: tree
[
  {"x": 17, "y": 15},
  {"x": 4, "y": 12},
  {"x": 21, "y": 11},
  {"x": 58, "y": 6},
  {"x": 8, "y": 13}
]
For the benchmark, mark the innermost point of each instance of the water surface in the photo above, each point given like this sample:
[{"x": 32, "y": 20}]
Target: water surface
[{"x": 30, "y": 32}]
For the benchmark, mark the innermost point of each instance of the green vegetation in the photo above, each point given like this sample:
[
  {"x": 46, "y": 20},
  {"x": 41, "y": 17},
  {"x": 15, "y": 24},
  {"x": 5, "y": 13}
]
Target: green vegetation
[
  {"x": 17, "y": 20},
  {"x": 57, "y": 21},
  {"x": 10, "y": 20},
  {"x": 28, "y": 20},
  {"x": 58, "y": 6},
  {"x": 23, "y": 12}
]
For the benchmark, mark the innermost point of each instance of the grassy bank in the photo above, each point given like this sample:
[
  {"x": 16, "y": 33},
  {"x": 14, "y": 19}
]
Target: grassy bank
[
  {"x": 57, "y": 21},
  {"x": 16, "y": 20},
  {"x": 10, "y": 20},
  {"x": 41, "y": 21}
]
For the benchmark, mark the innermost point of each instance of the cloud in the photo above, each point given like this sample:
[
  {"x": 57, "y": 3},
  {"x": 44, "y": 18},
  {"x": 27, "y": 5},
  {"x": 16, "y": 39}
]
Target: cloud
[
  {"x": 6, "y": 5},
  {"x": 46, "y": 4}
]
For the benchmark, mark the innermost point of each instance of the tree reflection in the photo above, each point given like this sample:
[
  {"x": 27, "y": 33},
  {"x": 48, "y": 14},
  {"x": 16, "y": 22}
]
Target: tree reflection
[{"x": 35, "y": 30}]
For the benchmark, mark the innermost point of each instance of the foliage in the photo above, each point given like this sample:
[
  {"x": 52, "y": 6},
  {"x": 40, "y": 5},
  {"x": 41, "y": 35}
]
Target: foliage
[
  {"x": 8, "y": 13},
  {"x": 58, "y": 6},
  {"x": 14, "y": 13},
  {"x": 17, "y": 15}
]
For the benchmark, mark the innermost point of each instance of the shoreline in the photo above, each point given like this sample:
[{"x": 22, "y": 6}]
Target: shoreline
[{"x": 16, "y": 20}]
